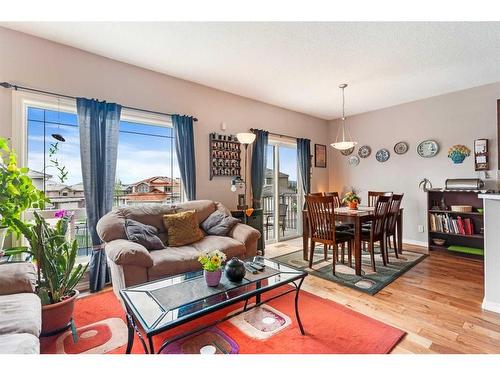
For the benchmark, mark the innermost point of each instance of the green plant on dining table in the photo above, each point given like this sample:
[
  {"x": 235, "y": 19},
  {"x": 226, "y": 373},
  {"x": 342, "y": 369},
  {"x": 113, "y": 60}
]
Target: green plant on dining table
[
  {"x": 17, "y": 192},
  {"x": 54, "y": 255}
]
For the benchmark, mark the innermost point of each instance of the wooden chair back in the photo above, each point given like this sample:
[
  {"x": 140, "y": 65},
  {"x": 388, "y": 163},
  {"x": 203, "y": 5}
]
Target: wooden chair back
[
  {"x": 373, "y": 196},
  {"x": 335, "y": 195},
  {"x": 316, "y": 194},
  {"x": 321, "y": 218},
  {"x": 393, "y": 212},
  {"x": 380, "y": 213}
]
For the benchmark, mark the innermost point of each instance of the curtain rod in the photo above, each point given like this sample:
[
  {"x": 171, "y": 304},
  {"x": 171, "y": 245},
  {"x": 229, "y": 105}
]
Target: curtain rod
[
  {"x": 8, "y": 85},
  {"x": 276, "y": 134}
]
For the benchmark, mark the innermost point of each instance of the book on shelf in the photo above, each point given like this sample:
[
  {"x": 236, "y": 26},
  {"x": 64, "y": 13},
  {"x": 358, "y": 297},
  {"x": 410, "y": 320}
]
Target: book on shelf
[{"x": 445, "y": 223}]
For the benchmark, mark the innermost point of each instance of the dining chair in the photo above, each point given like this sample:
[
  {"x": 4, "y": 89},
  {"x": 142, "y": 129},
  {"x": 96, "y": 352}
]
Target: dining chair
[
  {"x": 322, "y": 228},
  {"x": 390, "y": 226},
  {"x": 373, "y": 196},
  {"x": 338, "y": 226},
  {"x": 335, "y": 196},
  {"x": 376, "y": 231}
]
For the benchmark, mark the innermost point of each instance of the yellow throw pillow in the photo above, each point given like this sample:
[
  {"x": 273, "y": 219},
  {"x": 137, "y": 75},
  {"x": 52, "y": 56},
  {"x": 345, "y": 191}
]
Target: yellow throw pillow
[{"x": 182, "y": 228}]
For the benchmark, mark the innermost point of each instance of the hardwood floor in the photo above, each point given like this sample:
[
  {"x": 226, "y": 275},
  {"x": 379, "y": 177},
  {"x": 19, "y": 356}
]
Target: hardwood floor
[{"x": 437, "y": 302}]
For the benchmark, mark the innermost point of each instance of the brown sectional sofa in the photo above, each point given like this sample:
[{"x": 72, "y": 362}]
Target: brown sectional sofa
[
  {"x": 131, "y": 263},
  {"x": 20, "y": 310}
]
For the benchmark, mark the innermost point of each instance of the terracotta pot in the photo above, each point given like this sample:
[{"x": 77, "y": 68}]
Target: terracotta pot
[
  {"x": 57, "y": 316},
  {"x": 353, "y": 205}
]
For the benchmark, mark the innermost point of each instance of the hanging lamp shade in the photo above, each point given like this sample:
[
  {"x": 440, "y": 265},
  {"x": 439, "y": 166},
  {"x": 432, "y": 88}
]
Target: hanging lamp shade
[{"x": 343, "y": 140}]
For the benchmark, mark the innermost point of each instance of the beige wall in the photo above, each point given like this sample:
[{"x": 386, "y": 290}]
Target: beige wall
[
  {"x": 35, "y": 62},
  {"x": 456, "y": 118}
]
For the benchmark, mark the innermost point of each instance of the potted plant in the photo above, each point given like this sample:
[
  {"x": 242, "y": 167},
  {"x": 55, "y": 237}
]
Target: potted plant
[
  {"x": 58, "y": 275},
  {"x": 17, "y": 192},
  {"x": 351, "y": 199},
  {"x": 212, "y": 261}
]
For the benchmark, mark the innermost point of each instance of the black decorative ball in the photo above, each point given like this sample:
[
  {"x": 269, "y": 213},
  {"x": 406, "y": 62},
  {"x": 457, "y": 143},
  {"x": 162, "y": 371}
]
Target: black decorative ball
[{"x": 235, "y": 270}]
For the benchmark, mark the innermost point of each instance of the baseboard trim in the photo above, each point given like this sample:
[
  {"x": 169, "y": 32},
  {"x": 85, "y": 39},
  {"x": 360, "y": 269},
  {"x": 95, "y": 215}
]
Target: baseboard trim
[
  {"x": 416, "y": 243},
  {"x": 491, "y": 306}
]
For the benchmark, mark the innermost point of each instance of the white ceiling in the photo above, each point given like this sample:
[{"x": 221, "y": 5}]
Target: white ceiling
[{"x": 300, "y": 65}]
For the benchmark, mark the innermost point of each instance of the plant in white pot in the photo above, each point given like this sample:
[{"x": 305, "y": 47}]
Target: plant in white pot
[
  {"x": 17, "y": 192},
  {"x": 58, "y": 273}
]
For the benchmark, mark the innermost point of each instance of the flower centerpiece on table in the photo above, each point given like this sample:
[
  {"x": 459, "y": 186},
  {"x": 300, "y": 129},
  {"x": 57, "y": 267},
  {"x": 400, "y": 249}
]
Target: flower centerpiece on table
[
  {"x": 351, "y": 199},
  {"x": 458, "y": 153},
  {"x": 212, "y": 262}
]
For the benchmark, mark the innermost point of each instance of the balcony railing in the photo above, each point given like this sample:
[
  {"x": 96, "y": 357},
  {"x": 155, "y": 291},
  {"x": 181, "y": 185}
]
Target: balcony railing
[{"x": 288, "y": 216}]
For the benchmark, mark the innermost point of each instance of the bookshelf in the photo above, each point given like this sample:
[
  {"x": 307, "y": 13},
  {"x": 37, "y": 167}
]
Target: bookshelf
[{"x": 461, "y": 231}]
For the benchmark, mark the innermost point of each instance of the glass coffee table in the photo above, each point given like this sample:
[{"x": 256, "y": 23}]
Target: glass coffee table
[{"x": 160, "y": 305}]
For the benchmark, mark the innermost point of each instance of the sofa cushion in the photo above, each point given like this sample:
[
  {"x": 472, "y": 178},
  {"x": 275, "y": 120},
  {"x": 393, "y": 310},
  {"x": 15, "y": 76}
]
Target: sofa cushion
[
  {"x": 227, "y": 245},
  {"x": 112, "y": 225},
  {"x": 143, "y": 234},
  {"x": 203, "y": 208},
  {"x": 17, "y": 278},
  {"x": 173, "y": 261},
  {"x": 183, "y": 228},
  {"x": 20, "y": 313},
  {"x": 19, "y": 343},
  {"x": 219, "y": 224}
]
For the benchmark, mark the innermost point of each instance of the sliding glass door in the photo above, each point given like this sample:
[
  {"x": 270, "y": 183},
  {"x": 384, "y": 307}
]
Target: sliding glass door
[{"x": 281, "y": 196}]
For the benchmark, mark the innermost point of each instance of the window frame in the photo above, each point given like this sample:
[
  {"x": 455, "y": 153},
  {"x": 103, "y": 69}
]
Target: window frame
[{"x": 21, "y": 100}]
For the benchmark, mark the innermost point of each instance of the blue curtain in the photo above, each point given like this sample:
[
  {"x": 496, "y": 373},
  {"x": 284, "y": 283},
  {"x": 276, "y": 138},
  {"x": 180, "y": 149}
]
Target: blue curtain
[
  {"x": 258, "y": 174},
  {"x": 304, "y": 160},
  {"x": 99, "y": 125},
  {"x": 184, "y": 147}
]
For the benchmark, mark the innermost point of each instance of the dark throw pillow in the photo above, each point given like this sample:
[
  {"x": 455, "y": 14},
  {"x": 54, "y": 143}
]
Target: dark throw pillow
[
  {"x": 143, "y": 234},
  {"x": 219, "y": 224}
]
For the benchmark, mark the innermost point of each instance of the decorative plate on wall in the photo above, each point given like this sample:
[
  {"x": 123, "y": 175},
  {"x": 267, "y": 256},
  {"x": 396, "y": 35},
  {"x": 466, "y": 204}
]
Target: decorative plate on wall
[
  {"x": 401, "y": 148},
  {"x": 382, "y": 155},
  {"x": 347, "y": 152},
  {"x": 353, "y": 160},
  {"x": 428, "y": 148},
  {"x": 364, "y": 151}
]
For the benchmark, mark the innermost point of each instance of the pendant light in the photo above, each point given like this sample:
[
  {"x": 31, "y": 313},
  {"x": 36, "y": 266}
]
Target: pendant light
[{"x": 343, "y": 141}]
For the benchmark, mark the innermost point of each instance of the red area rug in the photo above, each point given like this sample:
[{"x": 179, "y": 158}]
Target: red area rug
[{"x": 330, "y": 328}]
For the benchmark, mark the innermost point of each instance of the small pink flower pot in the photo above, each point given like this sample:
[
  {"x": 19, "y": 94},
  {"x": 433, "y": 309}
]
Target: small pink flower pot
[{"x": 213, "y": 278}]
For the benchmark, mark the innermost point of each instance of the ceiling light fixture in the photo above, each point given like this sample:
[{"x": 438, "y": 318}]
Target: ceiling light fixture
[{"x": 343, "y": 141}]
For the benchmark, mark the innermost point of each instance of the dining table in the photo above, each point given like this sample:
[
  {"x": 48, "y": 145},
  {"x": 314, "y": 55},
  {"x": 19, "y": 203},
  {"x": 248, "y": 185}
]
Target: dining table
[{"x": 357, "y": 217}]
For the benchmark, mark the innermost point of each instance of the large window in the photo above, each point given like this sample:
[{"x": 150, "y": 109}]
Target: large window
[{"x": 147, "y": 170}]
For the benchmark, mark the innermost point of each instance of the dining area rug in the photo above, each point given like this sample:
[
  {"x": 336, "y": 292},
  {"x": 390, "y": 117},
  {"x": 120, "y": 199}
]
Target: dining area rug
[{"x": 369, "y": 282}]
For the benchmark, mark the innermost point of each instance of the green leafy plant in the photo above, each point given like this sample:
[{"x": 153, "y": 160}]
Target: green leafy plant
[
  {"x": 350, "y": 197},
  {"x": 61, "y": 169},
  {"x": 17, "y": 192},
  {"x": 54, "y": 255},
  {"x": 212, "y": 260}
]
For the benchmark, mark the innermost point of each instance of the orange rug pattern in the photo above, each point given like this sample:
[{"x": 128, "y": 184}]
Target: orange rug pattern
[{"x": 330, "y": 329}]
